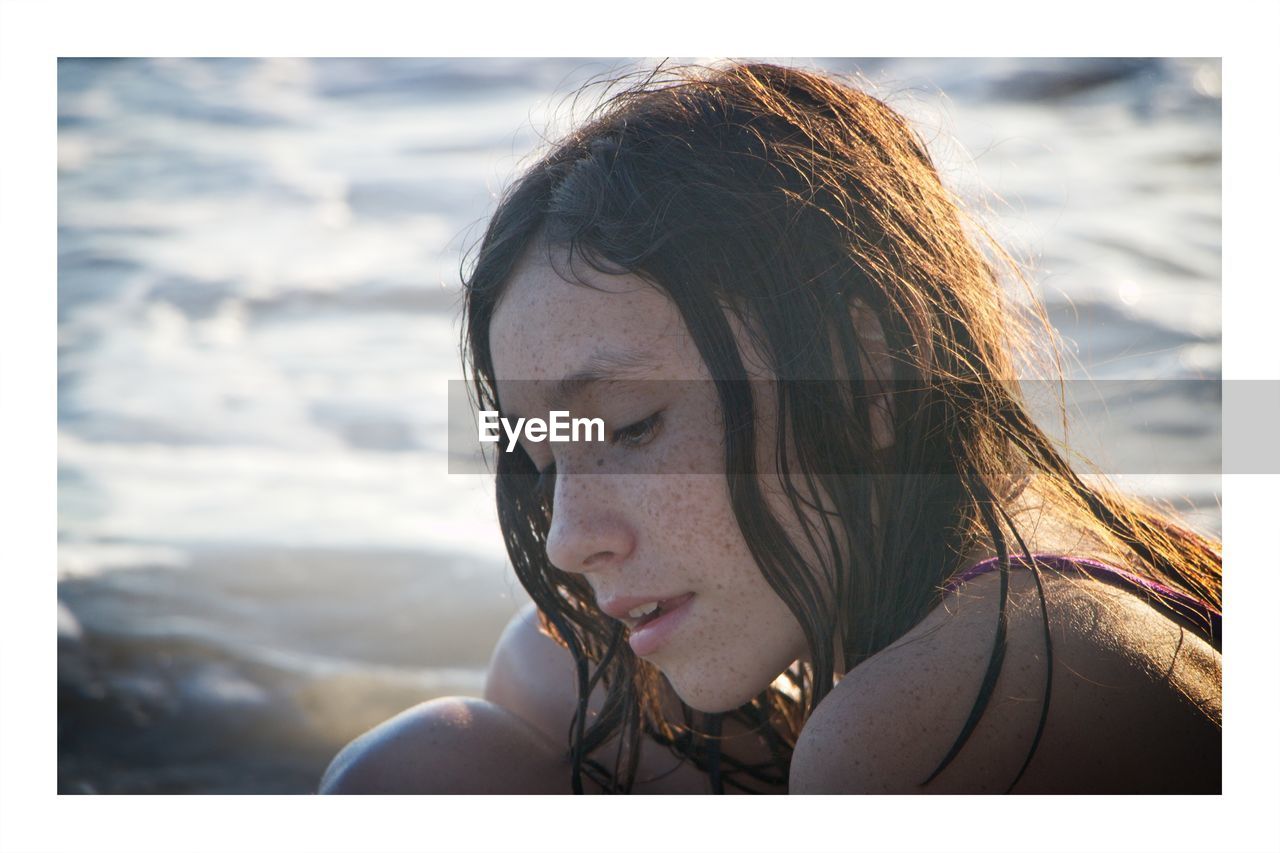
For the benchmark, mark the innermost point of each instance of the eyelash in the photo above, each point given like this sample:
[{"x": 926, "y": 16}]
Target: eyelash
[{"x": 637, "y": 434}]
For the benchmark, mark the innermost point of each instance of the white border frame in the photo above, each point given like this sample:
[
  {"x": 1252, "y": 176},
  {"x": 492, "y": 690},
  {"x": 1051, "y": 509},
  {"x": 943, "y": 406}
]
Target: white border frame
[{"x": 33, "y": 33}]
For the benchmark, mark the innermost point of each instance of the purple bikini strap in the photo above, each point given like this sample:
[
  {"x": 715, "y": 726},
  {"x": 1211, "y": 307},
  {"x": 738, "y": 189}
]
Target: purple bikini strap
[{"x": 1187, "y": 606}]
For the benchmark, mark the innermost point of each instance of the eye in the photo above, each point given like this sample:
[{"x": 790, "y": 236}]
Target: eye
[{"x": 639, "y": 433}]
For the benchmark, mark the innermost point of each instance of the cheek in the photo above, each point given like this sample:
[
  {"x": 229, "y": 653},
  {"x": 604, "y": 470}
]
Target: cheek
[
  {"x": 685, "y": 504},
  {"x": 702, "y": 544},
  {"x": 689, "y": 515}
]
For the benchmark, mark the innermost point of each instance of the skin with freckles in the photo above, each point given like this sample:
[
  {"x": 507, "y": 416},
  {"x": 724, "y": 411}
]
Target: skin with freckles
[
  {"x": 833, "y": 244},
  {"x": 629, "y": 519},
  {"x": 622, "y": 516},
  {"x": 633, "y": 528}
]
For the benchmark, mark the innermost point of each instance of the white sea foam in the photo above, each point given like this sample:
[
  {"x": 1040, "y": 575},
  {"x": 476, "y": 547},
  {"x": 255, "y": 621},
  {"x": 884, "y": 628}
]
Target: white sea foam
[
  {"x": 255, "y": 342},
  {"x": 87, "y": 559},
  {"x": 272, "y": 496}
]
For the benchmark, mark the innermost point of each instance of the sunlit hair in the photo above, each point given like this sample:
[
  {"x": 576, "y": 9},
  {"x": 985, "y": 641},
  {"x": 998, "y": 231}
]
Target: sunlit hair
[{"x": 782, "y": 195}]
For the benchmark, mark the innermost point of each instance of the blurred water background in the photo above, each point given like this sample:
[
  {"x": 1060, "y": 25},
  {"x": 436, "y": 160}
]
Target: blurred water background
[{"x": 260, "y": 551}]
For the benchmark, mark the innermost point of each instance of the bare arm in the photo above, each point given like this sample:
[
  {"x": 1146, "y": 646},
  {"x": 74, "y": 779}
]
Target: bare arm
[
  {"x": 514, "y": 740},
  {"x": 453, "y": 745},
  {"x": 500, "y": 744}
]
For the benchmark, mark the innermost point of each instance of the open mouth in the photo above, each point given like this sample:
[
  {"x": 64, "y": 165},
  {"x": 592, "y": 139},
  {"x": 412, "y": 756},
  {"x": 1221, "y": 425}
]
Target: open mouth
[
  {"x": 650, "y": 616},
  {"x": 655, "y": 610},
  {"x": 650, "y": 630}
]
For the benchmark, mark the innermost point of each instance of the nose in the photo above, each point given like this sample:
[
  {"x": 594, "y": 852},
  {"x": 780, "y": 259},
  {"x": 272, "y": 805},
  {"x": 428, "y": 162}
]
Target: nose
[{"x": 589, "y": 529}]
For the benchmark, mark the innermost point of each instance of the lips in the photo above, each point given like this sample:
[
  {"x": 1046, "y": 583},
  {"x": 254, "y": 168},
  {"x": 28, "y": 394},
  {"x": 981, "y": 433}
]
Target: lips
[
  {"x": 651, "y": 632},
  {"x": 621, "y": 607}
]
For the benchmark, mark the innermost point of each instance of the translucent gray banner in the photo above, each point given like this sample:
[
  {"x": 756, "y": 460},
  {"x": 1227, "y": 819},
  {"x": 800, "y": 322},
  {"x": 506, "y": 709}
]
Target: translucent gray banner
[{"x": 1117, "y": 426}]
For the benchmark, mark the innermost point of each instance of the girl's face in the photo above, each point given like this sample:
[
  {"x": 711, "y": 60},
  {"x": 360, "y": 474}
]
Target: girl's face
[{"x": 644, "y": 515}]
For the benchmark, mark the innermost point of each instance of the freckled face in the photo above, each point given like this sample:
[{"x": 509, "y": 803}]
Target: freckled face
[{"x": 624, "y": 514}]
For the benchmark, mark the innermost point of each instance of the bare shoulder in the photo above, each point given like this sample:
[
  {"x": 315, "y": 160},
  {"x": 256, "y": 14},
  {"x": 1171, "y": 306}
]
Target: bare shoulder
[
  {"x": 534, "y": 677},
  {"x": 1135, "y": 703},
  {"x": 891, "y": 719}
]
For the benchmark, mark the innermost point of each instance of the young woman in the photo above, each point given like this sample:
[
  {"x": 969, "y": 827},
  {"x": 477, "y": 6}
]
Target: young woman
[{"x": 823, "y": 548}]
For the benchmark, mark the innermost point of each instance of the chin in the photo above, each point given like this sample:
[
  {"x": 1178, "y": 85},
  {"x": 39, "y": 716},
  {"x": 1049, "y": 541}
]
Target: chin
[{"x": 711, "y": 696}]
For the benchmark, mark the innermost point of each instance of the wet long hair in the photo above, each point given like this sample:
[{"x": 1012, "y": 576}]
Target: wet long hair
[{"x": 782, "y": 196}]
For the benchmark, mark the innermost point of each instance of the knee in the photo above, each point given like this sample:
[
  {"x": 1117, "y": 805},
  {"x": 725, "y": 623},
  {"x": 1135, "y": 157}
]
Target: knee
[{"x": 453, "y": 745}]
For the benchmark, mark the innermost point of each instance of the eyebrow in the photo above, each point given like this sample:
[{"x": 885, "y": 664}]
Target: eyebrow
[{"x": 603, "y": 366}]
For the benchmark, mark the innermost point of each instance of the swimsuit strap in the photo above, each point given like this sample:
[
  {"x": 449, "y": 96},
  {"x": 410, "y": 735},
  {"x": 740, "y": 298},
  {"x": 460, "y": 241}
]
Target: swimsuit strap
[{"x": 1200, "y": 613}]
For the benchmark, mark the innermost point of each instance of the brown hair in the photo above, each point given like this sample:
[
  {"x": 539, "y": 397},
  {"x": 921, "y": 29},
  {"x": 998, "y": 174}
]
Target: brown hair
[{"x": 783, "y": 195}]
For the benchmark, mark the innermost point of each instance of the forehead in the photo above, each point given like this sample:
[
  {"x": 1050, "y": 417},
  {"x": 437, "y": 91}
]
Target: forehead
[{"x": 547, "y": 328}]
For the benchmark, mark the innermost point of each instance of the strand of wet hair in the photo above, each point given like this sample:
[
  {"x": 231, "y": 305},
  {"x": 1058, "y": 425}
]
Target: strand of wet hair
[
  {"x": 996, "y": 660},
  {"x": 779, "y": 749},
  {"x": 686, "y": 746},
  {"x": 713, "y": 752},
  {"x": 1048, "y": 651},
  {"x": 577, "y": 725}
]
